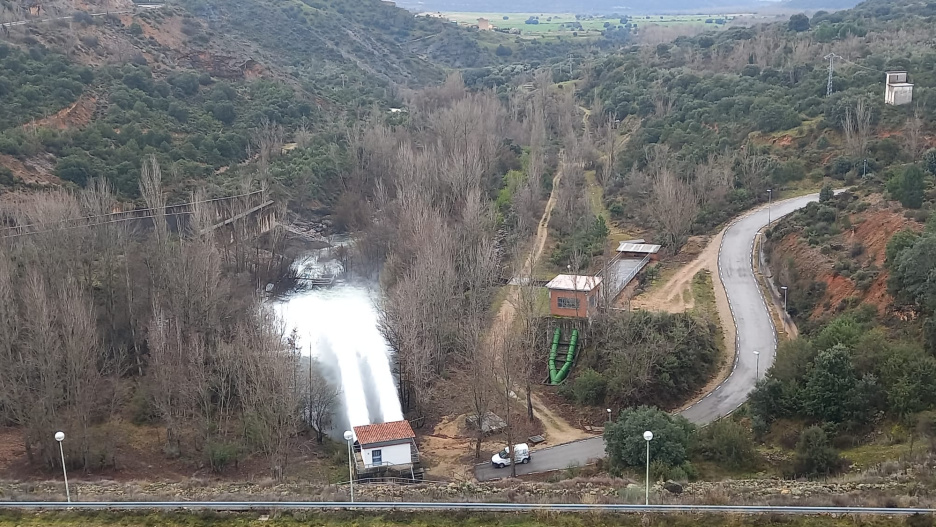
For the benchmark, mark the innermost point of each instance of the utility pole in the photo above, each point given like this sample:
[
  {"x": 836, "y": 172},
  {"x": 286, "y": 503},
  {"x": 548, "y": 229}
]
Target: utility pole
[
  {"x": 831, "y": 57},
  {"x": 570, "y": 64}
]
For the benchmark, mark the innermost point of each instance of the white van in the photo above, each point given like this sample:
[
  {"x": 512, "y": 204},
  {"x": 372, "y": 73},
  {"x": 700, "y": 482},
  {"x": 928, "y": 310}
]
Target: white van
[{"x": 502, "y": 458}]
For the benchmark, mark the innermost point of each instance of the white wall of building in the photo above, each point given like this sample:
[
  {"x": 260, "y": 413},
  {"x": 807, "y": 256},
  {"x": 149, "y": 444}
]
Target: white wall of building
[
  {"x": 393, "y": 455},
  {"x": 898, "y": 95}
]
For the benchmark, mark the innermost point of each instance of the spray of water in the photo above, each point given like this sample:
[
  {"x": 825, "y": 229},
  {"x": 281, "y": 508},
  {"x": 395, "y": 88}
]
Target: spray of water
[{"x": 338, "y": 325}]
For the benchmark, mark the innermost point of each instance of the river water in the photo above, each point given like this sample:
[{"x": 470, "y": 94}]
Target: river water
[{"x": 338, "y": 325}]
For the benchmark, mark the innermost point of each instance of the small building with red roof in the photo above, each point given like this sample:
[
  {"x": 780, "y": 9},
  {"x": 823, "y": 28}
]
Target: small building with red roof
[{"x": 385, "y": 446}]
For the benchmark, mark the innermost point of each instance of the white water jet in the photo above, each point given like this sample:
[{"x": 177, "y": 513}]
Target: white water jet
[{"x": 339, "y": 325}]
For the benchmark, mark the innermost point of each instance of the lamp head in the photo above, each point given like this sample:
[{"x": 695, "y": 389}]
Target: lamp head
[
  {"x": 60, "y": 436},
  {"x": 348, "y": 435},
  {"x": 648, "y": 435}
]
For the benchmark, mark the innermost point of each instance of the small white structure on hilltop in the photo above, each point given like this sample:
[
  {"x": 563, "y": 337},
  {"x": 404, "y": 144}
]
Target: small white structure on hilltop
[{"x": 898, "y": 91}]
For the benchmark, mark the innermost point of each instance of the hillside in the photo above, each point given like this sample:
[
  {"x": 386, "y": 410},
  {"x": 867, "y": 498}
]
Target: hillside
[
  {"x": 192, "y": 82},
  {"x": 833, "y": 257}
]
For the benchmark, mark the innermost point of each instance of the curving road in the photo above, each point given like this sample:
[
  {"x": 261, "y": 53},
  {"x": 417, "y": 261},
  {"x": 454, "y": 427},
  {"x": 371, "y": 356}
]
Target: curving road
[
  {"x": 755, "y": 332},
  {"x": 755, "y": 328}
]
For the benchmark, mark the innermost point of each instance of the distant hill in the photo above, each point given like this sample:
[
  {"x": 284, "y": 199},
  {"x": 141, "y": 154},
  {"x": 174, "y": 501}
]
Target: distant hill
[
  {"x": 577, "y": 6},
  {"x": 813, "y": 5}
]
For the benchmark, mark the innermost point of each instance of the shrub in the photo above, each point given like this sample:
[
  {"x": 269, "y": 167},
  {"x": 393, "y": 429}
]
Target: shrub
[
  {"x": 90, "y": 41},
  {"x": 220, "y": 455},
  {"x": 929, "y": 160},
  {"x": 503, "y": 51},
  {"x": 589, "y": 388},
  {"x": 912, "y": 188},
  {"x": 857, "y": 249},
  {"x": 814, "y": 455},
  {"x": 728, "y": 443},
  {"x": 908, "y": 187},
  {"x": 899, "y": 241},
  {"x": 83, "y": 18},
  {"x": 625, "y": 444},
  {"x": 798, "y": 23},
  {"x": 6, "y": 176}
]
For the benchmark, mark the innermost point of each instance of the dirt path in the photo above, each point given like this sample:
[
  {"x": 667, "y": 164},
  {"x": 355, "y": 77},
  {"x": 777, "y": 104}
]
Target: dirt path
[
  {"x": 672, "y": 297},
  {"x": 555, "y": 428}
]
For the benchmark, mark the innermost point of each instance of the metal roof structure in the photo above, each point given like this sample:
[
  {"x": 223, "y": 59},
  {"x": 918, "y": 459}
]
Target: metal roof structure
[
  {"x": 574, "y": 282},
  {"x": 383, "y": 432},
  {"x": 646, "y": 248}
]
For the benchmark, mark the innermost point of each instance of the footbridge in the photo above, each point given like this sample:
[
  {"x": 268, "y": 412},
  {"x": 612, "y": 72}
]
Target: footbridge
[{"x": 228, "y": 218}]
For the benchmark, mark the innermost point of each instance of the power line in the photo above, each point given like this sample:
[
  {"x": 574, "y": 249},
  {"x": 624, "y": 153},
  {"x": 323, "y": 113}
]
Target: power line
[
  {"x": 831, "y": 58},
  {"x": 859, "y": 65}
]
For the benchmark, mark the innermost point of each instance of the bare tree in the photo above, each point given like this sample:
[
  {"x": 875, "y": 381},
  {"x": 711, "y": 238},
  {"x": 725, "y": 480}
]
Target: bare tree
[
  {"x": 509, "y": 347},
  {"x": 663, "y": 104},
  {"x": 673, "y": 204},
  {"x": 913, "y": 135},
  {"x": 322, "y": 398},
  {"x": 611, "y": 139},
  {"x": 711, "y": 181},
  {"x": 267, "y": 383},
  {"x": 528, "y": 345},
  {"x": 753, "y": 168},
  {"x": 152, "y": 192},
  {"x": 266, "y": 142},
  {"x": 80, "y": 353},
  {"x": 857, "y": 128}
]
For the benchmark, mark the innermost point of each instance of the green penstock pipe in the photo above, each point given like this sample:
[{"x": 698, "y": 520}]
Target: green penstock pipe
[
  {"x": 564, "y": 372},
  {"x": 552, "y": 356}
]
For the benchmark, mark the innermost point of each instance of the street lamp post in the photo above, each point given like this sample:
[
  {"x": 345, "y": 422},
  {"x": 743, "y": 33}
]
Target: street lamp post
[
  {"x": 60, "y": 436},
  {"x": 648, "y": 435},
  {"x": 769, "y": 195},
  {"x": 784, "y": 298},
  {"x": 349, "y": 436},
  {"x": 756, "y": 365},
  {"x": 609, "y": 415}
]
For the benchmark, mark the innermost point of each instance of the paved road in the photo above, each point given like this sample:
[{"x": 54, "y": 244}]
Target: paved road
[
  {"x": 559, "y": 457},
  {"x": 755, "y": 328},
  {"x": 755, "y": 332},
  {"x": 264, "y": 506}
]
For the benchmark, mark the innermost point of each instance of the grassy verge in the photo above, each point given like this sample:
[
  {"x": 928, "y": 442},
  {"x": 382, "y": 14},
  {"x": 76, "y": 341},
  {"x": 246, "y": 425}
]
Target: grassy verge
[
  {"x": 867, "y": 456},
  {"x": 703, "y": 294},
  {"x": 435, "y": 519},
  {"x": 665, "y": 274},
  {"x": 596, "y": 200}
]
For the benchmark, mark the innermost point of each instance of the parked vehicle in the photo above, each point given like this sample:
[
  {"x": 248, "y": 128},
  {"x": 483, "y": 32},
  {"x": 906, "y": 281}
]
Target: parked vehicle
[{"x": 521, "y": 455}]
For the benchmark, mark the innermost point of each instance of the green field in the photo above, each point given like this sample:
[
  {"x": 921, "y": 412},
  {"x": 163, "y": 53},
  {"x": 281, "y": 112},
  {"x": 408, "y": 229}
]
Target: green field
[{"x": 551, "y": 24}]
